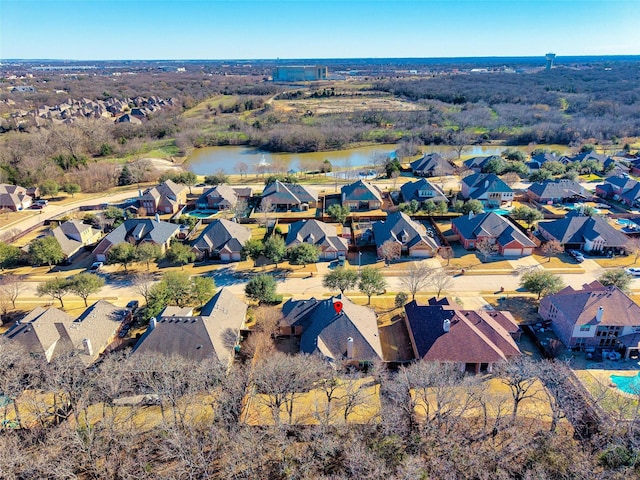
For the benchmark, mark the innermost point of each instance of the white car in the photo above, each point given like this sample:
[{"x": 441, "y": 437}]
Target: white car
[
  {"x": 96, "y": 266},
  {"x": 633, "y": 271}
]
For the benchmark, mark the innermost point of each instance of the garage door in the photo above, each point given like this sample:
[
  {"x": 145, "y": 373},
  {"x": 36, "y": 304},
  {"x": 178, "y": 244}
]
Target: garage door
[
  {"x": 225, "y": 257},
  {"x": 421, "y": 253},
  {"x": 512, "y": 252},
  {"x": 330, "y": 255},
  {"x": 236, "y": 257}
]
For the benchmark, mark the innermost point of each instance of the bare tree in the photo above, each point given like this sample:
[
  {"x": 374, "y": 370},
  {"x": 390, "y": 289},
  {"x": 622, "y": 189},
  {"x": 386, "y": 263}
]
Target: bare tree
[
  {"x": 554, "y": 247},
  {"x": 390, "y": 250},
  {"x": 521, "y": 376},
  {"x": 633, "y": 247},
  {"x": 416, "y": 278},
  {"x": 486, "y": 246},
  {"x": 441, "y": 281},
  {"x": 143, "y": 283},
  {"x": 460, "y": 142},
  {"x": 447, "y": 253},
  {"x": 265, "y": 211}
]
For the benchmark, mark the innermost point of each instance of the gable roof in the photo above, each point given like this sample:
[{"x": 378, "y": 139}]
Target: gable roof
[
  {"x": 224, "y": 192},
  {"x": 492, "y": 225},
  {"x": 288, "y": 193},
  {"x": 432, "y": 163},
  {"x": 53, "y": 332},
  {"x": 479, "y": 162},
  {"x": 212, "y": 334},
  {"x": 68, "y": 245},
  {"x": 580, "y": 306},
  {"x": 410, "y": 191},
  {"x": 481, "y": 183},
  {"x": 563, "y": 188},
  {"x": 327, "y": 332},
  {"x": 398, "y": 224},
  {"x": 316, "y": 232},
  {"x": 473, "y": 336},
  {"x": 146, "y": 229},
  {"x": 222, "y": 234},
  {"x": 361, "y": 191},
  {"x": 575, "y": 228}
]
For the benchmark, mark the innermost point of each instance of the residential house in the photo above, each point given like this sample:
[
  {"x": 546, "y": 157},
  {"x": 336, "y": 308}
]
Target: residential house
[
  {"x": 222, "y": 197},
  {"x": 431, "y": 165},
  {"x": 421, "y": 191},
  {"x": 361, "y": 196},
  {"x": 214, "y": 334},
  {"x": 487, "y": 188},
  {"x": 168, "y": 197},
  {"x": 508, "y": 238},
  {"x": 478, "y": 164},
  {"x": 476, "y": 340},
  {"x": 557, "y": 191},
  {"x": 14, "y": 197},
  {"x": 540, "y": 159},
  {"x": 283, "y": 197},
  {"x": 222, "y": 239},
  {"x": 136, "y": 231},
  {"x": 51, "y": 332},
  {"x": 410, "y": 235},
  {"x": 322, "y": 235},
  {"x": 348, "y": 336},
  {"x": 73, "y": 235},
  {"x": 592, "y": 234},
  {"x": 621, "y": 188},
  {"x": 594, "y": 316}
]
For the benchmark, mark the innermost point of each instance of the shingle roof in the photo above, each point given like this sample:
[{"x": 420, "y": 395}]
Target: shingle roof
[
  {"x": 481, "y": 183},
  {"x": 473, "y": 336},
  {"x": 213, "y": 334},
  {"x": 224, "y": 192},
  {"x": 580, "y": 306},
  {"x": 493, "y": 225},
  {"x": 288, "y": 193},
  {"x": 410, "y": 191},
  {"x": 157, "y": 232},
  {"x": 396, "y": 225},
  {"x": 480, "y": 162},
  {"x": 223, "y": 233},
  {"x": 68, "y": 245},
  {"x": 326, "y": 332},
  {"x": 575, "y": 228},
  {"x": 361, "y": 191},
  {"x": 318, "y": 233},
  {"x": 432, "y": 163},
  {"x": 557, "y": 189}
]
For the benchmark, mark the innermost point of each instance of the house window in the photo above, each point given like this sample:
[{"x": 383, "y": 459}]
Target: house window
[
  {"x": 607, "y": 342},
  {"x": 585, "y": 328}
]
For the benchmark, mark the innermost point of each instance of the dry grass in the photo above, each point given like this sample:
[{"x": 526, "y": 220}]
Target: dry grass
[
  {"x": 562, "y": 262},
  {"x": 310, "y": 408},
  {"x": 610, "y": 399},
  {"x": 620, "y": 261},
  {"x": 332, "y": 105}
]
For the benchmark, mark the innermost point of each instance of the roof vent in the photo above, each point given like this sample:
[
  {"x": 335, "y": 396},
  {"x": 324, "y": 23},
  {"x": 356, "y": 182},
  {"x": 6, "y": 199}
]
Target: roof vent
[{"x": 446, "y": 325}]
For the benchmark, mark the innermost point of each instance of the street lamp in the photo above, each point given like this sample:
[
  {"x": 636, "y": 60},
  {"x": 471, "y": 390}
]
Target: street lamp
[{"x": 359, "y": 261}]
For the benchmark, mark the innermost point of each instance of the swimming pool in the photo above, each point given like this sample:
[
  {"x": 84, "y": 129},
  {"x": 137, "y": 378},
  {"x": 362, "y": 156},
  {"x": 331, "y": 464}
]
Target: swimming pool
[
  {"x": 202, "y": 213},
  {"x": 627, "y": 384},
  {"x": 624, "y": 221},
  {"x": 499, "y": 211}
]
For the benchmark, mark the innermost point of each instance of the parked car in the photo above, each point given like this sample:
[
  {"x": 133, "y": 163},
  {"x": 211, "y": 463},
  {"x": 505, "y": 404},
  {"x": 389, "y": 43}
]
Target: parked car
[
  {"x": 37, "y": 206},
  {"x": 633, "y": 271},
  {"x": 577, "y": 256},
  {"x": 341, "y": 260},
  {"x": 96, "y": 266}
]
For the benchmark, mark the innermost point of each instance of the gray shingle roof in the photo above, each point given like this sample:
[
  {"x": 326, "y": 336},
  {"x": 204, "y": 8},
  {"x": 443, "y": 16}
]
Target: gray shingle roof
[
  {"x": 493, "y": 225},
  {"x": 317, "y": 233},
  {"x": 481, "y": 183},
  {"x": 575, "y": 228},
  {"x": 396, "y": 225},
  {"x": 326, "y": 332},
  {"x": 410, "y": 191},
  {"x": 361, "y": 191},
  {"x": 557, "y": 189},
  {"x": 222, "y": 233},
  {"x": 432, "y": 163},
  {"x": 288, "y": 193},
  {"x": 153, "y": 231}
]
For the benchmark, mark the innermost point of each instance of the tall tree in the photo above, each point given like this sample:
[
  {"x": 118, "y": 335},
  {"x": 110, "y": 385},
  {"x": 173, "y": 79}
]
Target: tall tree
[
  {"x": 371, "y": 282},
  {"x": 390, "y": 250},
  {"x": 541, "y": 282},
  {"x": 180, "y": 253},
  {"x": 142, "y": 283},
  {"x": 486, "y": 247},
  {"x": 275, "y": 249},
  {"x": 147, "y": 252},
  {"x": 71, "y": 189},
  {"x": 56, "y": 288},
  {"x": 340, "y": 279},
  {"x": 178, "y": 287},
  {"x": 617, "y": 278},
  {"x": 49, "y": 188},
  {"x": 416, "y": 278},
  {"x": 441, "y": 281},
  {"x": 122, "y": 253},
  {"x": 11, "y": 286},
  {"x": 253, "y": 249},
  {"x": 85, "y": 284},
  {"x": 202, "y": 289},
  {"x": 338, "y": 212},
  {"x": 45, "y": 250},
  {"x": 261, "y": 288},
  {"x": 303, "y": 254},
  {"x": 9, "y": 255},
  {"x": 551, "y": 248}
]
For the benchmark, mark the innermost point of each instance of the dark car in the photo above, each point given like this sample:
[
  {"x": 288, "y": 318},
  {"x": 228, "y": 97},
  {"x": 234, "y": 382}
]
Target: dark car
[
  {"x": 577, "y": 256},
  {"x": 133, "y": 305}
]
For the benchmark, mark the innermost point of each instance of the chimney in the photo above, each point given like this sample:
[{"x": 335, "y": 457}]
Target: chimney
[
  {"x": 486, "y": 184},
  {"x": 599, "y": 314},
  {"x": 350, "y": 348},
  {"x": 470, "y": 215},
  {"x": 152, "y": 323},
  {"x": 86, "y": 343},
  {"x": 157, "y": 217},
  {"x": 446, "y": 325}
]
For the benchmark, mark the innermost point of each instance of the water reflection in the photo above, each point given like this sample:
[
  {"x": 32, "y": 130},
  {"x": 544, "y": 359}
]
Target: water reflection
[{"x": 241, "y": 160}]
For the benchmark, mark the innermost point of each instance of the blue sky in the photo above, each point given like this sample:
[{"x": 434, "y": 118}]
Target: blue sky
[{"x": 210, "y": 29}]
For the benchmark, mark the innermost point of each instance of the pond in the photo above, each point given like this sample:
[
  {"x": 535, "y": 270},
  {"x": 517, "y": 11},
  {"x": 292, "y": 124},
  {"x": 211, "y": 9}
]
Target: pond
[
  {"x": 205, "y": 161},
  {"x": 627, "y": 384}
]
